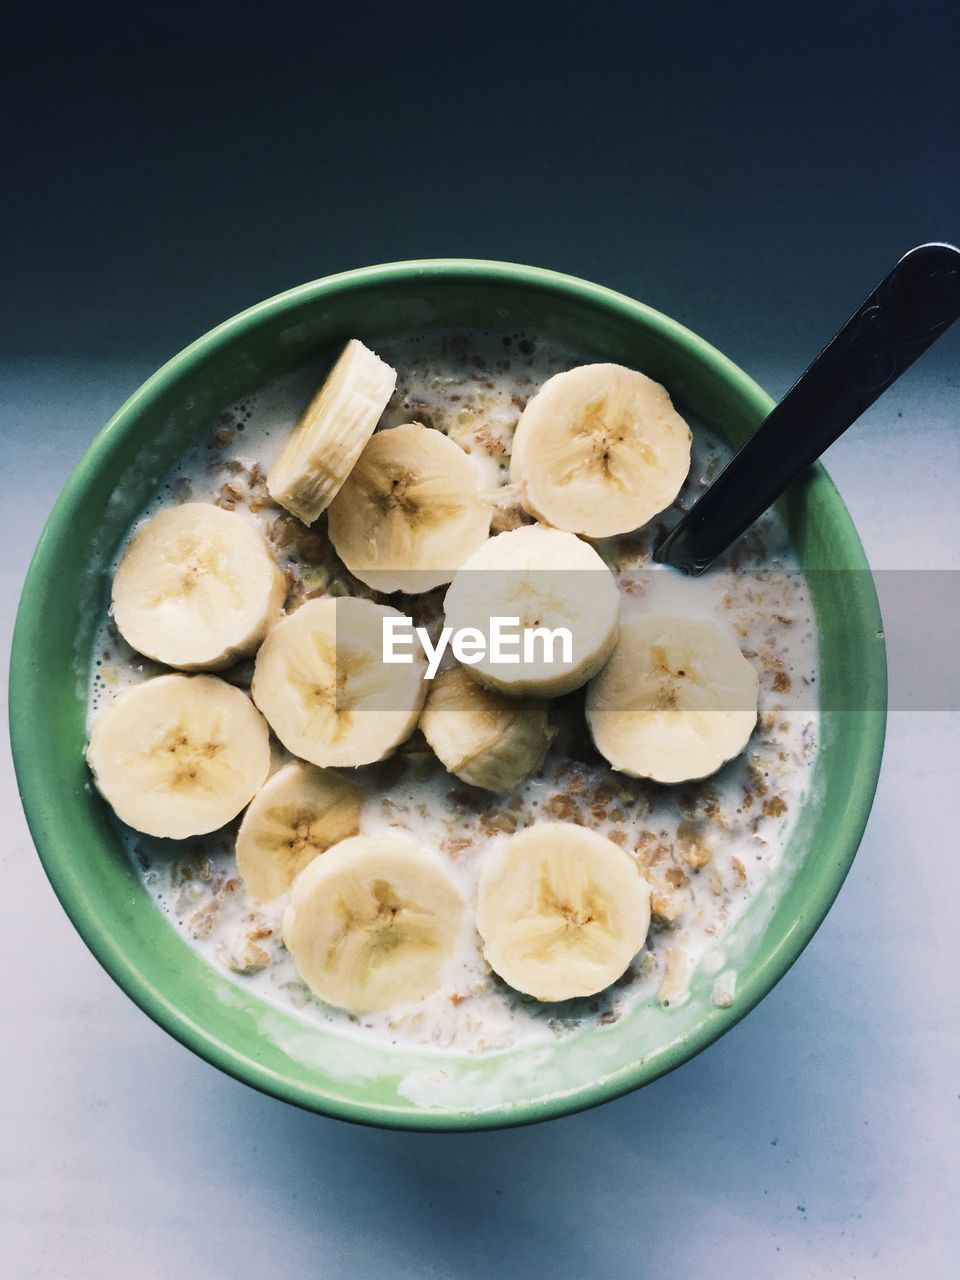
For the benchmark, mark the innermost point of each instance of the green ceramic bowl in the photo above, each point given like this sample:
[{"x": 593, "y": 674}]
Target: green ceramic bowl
[{"x": 260, "y": 1044}]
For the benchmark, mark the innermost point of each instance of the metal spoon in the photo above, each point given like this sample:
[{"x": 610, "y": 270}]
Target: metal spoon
[{"x": 907, "y": 311}]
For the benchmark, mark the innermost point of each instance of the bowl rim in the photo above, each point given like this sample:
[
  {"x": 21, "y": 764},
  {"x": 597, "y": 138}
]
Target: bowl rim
[{"x": 28, "y": 754}]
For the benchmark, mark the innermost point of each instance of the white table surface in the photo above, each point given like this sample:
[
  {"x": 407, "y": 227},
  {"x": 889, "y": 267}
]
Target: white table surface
[
  {"x": 822, "y": 1130},
  {"x": 821, "y": 1137}
]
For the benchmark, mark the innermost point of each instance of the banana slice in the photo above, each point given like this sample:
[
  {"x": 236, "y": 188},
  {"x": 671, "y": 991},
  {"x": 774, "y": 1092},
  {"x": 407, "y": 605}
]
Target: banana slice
[
  {"x": 296, "y": 815},
  {"x": 326, "y": 442},
  {"x": 561, "y": 910},
  {"x": 179, "y": 756},
  {"x": 544, "y": 579},
  {"x": 372, "y": 924},
  {"x": 486, "y": 739},
  {"x": 197, "y": 588},
  {"x": 411, "y": 511},
  {"x": 600, "y": 450},
  {"x": 675, "y": 702},
  {"x": 321, "y": 682}
]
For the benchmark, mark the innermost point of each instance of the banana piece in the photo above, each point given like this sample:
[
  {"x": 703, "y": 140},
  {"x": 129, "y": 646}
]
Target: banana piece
[
  {"x": 322, "y": 684},
  {"x": 675, "y": 702},
  {"x": 324, "y": 445},
  {"x": 197, "y": 587},
  {"x": 179, "y": 756},
  {"x": 410, "y": 512},
  {"x": 372, "y": 924},
  {"x": 561, "y": 910},
  {"x": 600, "y": 450},
  {"x": 485, "y": 739},
  {"x": 299, "y": 812},
  {"x": 546, "y": 579}
]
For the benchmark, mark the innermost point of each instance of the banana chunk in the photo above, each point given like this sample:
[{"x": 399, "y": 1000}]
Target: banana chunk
[
  {"x": 546, "y": 581},
  {"x": 326, "y": 442},
  {"x": 675, "y": 702},
  {"x": 179, "y": 756},
  {"x": 372, "y": 924},
  {"x": 299, "y": 813},
  {"x": 321, "y": 682},
  {"x": 483, "y": 738},
  {"x": 561, "y": 910},
  {"x": 197, "y": 587},
  {"x": 410, "y": 512},
  {"x": 600, "y": 450}
]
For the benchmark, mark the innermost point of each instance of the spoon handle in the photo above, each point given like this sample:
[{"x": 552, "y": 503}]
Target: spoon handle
[{"x": 910, "y": 308}]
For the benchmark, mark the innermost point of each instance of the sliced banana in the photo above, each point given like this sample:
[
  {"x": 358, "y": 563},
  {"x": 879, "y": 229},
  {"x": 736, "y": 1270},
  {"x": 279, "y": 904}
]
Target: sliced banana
[
  {"x": 600, "y": 450},
  {"x": 321, "y": 682},
  {"x": 326, "y": 442},
  {"x": 486, "y": 739},
  {"x": 547, "y": 580},
  {"x": 197, "y": 587},
  {"x": 561, "y": 910},
  {"x": 372, "y": 924},
  {"x": 179, "y": 756},
  {"x": 300, "y": 812},
  {"x": 411, "y": 511},
  {"x": 675, "y": 702}
]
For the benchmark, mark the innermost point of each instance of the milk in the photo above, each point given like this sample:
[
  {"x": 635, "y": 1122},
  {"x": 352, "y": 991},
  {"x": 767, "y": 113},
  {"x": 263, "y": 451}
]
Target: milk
[{"x": 709, "y": 848}]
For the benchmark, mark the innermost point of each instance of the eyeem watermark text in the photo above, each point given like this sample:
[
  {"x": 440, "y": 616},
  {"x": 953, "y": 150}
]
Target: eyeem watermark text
[{"x": 506, "y": 643}]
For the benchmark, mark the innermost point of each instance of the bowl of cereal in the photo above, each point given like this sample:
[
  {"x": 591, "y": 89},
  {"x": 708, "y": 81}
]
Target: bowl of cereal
[{"x": 364, "y": 743}]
